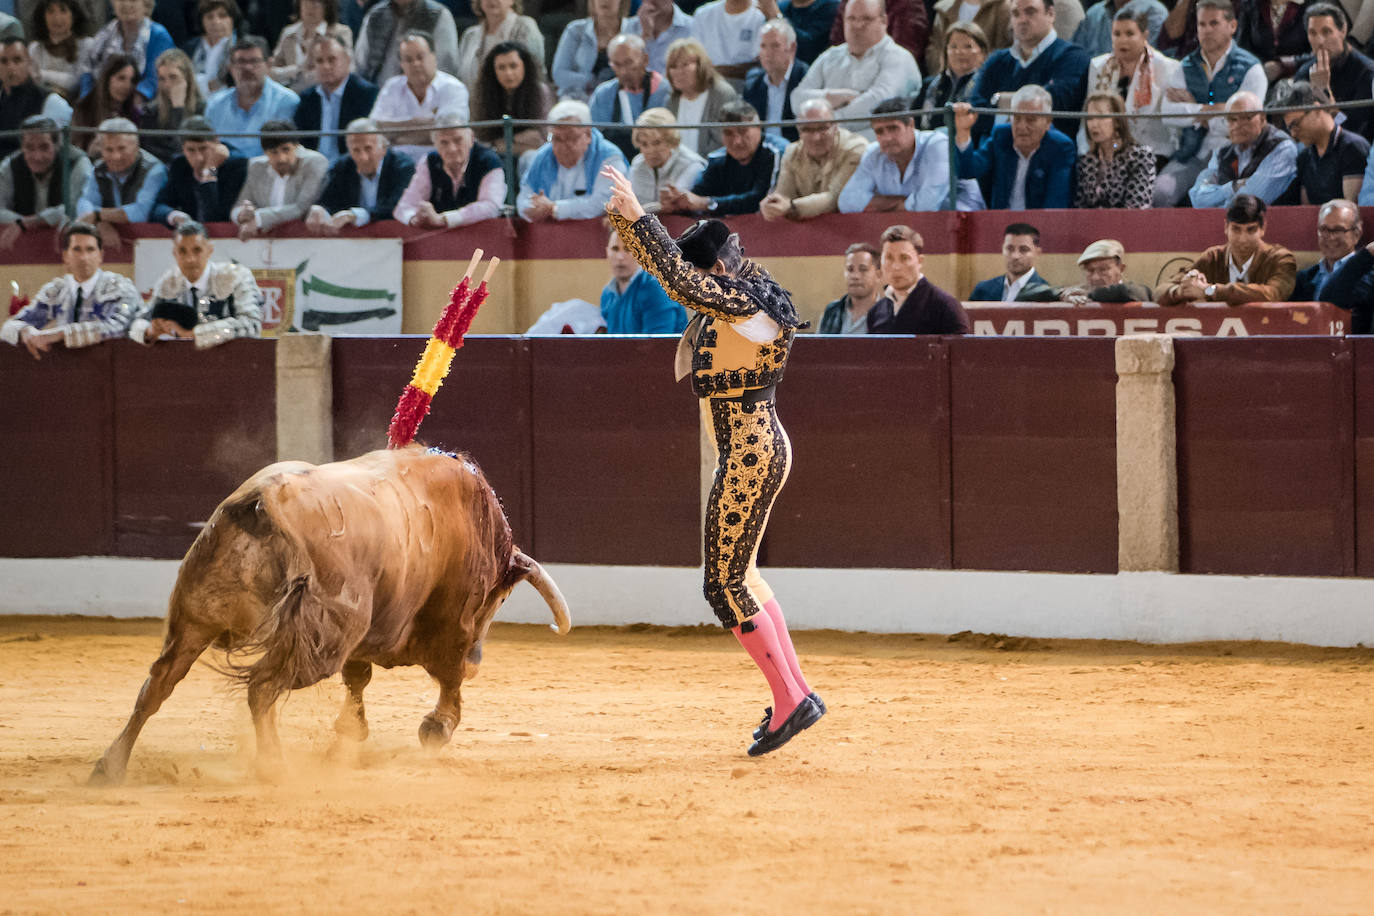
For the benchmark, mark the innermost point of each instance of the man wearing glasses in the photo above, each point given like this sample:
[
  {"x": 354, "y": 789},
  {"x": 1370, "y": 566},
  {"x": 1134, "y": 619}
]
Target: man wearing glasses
[
  {"x": 253, "y": 100},
  {"x": 1259, "y": 160},
  {"x": 1331, "y": 159},
  {"x": 1338, "y": 234}
]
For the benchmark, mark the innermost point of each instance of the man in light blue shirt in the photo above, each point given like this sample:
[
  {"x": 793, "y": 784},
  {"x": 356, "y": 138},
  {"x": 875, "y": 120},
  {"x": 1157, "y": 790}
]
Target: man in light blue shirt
[
  {"x": 252, "y": 101},
  {"x": 124, "y": 185},
  {"x": 904, "y": 169},
  {"x": 563, "y": 179},
  {"x": 1259, "y": 160}
]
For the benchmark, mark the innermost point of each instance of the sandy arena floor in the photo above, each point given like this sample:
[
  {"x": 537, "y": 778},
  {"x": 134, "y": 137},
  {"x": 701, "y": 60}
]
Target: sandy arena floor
[{"x": 605, "y": 773}]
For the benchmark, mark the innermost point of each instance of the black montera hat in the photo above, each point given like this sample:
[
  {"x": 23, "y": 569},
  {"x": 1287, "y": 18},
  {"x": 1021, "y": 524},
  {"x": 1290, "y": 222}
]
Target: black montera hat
[
  {"x": 702, "y": 242},
  {"x": 179, "y": 312}
]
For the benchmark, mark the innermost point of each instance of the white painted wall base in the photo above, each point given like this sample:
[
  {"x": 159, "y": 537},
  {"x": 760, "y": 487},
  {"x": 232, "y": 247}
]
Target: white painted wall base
[{"x": 1149, "y": 607}]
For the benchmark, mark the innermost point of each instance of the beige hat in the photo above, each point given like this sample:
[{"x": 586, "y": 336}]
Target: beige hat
[{"x": 1103, "y": 248}]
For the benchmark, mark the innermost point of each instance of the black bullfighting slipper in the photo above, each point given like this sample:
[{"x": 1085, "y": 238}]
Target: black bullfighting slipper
[
  {"x": 803, "y": 717},
  {"x": 768, "y": 715}
]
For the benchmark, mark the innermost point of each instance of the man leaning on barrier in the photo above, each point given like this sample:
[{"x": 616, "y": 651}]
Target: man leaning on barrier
[
  {"x": 281, "y": 184},
  {"x": 460, "y": 183},
  {"x": 203, "y": 180},
  {"x": 210, "y": 302},
  {"x": 1245, "y": 269},
  {"x": 1103, "y": 264},
  {"x": 816, "y": 168},
  {"x": 123, "y": 186},
  {"x": 363, "y": 187},
  {"x": 904, "y": 168},
  {"x": 1338, "y": 235},
  {"x": 31, "y": 189}
]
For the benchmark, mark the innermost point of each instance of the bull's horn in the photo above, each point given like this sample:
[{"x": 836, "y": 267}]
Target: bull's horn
[{"x": 546, "y": 587}]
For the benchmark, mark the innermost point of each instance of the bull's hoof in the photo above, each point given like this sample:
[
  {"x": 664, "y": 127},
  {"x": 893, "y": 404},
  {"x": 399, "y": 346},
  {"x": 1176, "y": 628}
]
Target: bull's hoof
[
  {"x": 352, "y": 727},
  {"x": 106, "y": 773},
  {"x": 435, "y": 733}
]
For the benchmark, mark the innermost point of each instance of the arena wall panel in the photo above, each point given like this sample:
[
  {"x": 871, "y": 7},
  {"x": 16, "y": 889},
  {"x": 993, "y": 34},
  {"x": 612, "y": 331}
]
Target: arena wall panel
[{"x": 1362, "y": 348}]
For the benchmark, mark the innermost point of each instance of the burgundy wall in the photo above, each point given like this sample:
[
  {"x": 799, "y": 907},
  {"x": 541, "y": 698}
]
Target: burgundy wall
[{"x": 1363, "y": 351}]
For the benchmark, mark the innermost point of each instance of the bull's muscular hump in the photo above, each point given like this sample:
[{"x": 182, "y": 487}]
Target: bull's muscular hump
[{"x": 394, "y": 558}]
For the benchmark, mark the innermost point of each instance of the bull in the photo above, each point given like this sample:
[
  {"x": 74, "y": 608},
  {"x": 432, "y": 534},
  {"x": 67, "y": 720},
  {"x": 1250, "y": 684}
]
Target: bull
[{"x": 393, "y": 558}]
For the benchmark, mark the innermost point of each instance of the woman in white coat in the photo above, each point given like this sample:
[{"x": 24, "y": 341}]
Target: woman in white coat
[{"x": 1138, "y": 73}]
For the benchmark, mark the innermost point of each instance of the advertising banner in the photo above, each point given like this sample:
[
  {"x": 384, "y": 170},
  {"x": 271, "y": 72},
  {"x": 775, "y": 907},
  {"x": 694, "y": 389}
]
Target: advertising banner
[{"x": 1261, "y": 319}]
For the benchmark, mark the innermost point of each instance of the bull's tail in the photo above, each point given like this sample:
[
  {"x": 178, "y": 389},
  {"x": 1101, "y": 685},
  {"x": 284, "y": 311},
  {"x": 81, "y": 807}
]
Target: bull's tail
[
  {"x": 526, "y": 567},
  {"x": 299, "y": 640}
]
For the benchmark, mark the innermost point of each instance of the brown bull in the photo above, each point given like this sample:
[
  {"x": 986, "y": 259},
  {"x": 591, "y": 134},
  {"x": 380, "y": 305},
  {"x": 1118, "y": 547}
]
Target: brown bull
[{"x": 394, "y": 558}]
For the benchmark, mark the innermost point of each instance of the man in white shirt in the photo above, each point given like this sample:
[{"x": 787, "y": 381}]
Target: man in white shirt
[
  {"x": 281, "y": 184},
  {"x": 659, "y": 23},
  {"x": 408, "y": 104},
  {"x": 729, "y": 30},
  {"x": 868, "y": 68}
]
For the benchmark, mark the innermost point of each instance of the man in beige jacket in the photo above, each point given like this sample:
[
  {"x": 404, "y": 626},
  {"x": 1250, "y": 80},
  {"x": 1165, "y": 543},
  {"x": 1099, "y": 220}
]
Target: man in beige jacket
[{"x": 815, "y": 167}]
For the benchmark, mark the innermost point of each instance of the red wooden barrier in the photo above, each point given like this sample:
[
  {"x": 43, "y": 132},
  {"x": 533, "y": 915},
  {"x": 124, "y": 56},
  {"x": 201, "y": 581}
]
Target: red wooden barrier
[
  {"x": 1260, "y": 319},
  {"x": 1363, "y": 350}
]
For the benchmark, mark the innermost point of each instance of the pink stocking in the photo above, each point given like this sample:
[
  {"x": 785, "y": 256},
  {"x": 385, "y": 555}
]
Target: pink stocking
[
  {"x": 785, "y": 641},
  {"x": 760, "y": 640}
]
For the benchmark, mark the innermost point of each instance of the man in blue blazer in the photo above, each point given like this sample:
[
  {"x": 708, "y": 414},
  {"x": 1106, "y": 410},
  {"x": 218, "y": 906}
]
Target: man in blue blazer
[
  {"x": 1022, "y": 282},
  {"x": 338, "y": 99},
  {"x": 364, "y": 186},
  {"x": 768, "y": 87},
  {"x": 1030, "y": 163}
]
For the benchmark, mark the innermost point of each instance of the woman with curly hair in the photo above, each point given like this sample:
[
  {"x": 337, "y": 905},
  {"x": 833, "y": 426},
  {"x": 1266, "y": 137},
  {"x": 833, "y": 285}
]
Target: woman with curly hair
[
  {"x": 113, "y": 96},
  {"x": 178, "y": 98},
  {"x": 60, "y": 35},
  {"x": 511, "y": 82},
  {"x": 1115, "y": 172},
  {"x": 497, "y": 21}
]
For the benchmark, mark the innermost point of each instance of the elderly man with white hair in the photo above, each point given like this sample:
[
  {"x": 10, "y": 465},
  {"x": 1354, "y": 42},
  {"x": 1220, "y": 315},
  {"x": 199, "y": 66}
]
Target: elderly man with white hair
[
  {"x": 563, "y": 179},
  {"x": 124, "y": 184},
  {"x": 460, "y": 183},
  {"x": 1031, "y": 162},
  {"x": 768, "y": 87},
  {"x": 1260, "y": 159},
  {"x": 814, "y": 168},
  {"x": 363, "y": 187}
]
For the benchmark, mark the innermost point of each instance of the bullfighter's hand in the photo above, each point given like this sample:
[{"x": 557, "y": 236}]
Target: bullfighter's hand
[
  {"x": 623, "y": 199},
  {"x": 39, "y": 342}
]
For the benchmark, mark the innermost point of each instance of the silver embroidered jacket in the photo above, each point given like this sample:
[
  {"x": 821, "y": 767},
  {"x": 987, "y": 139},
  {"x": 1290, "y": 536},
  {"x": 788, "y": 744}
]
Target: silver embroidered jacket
[
  {"x": 106, "y": 314},
  {"x": 230, "y": 307}
]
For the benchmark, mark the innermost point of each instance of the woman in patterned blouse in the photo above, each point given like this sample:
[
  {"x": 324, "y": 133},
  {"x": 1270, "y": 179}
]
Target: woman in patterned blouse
[{"x": 1115, "y": 171}]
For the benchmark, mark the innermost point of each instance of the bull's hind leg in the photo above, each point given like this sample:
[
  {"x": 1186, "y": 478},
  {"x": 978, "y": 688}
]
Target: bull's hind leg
[
  {"x": 437, "y": 728},
  {"x": 262, "y": 703},
  {"x": 352, "y": 721},
  {"x": 180, "y": 649}
]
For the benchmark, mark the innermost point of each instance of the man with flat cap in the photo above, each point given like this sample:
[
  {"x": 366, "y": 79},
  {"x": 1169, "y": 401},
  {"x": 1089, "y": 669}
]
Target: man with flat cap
[
  {"x": 735, "y": 350},
  {"x": 1104, "y": 277}
]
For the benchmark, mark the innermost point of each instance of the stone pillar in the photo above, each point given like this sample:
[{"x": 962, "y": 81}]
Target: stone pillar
[
  {"x": 1146, "y": 454},
  {"x": 305, "y": 398}
]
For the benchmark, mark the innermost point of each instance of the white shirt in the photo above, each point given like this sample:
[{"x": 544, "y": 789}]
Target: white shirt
[
  {"x": 199, "y": 286},
  {"x": 967, "y": 11},
  {"x": 728, "y": 39},
  {"x": 1238, "y": 274},
  {"x": 1254, "y": 82},
  {"x": 395, "y": 102},
  {"x": 87, "y": 292},
  {"x": 214, "y": 53},
  {"x": 882, "y": 72},
  {"x": 569, "y": 183},
  {"x": 278, "y": 195},
  {"x": 1017, "y": 201},
  {"x": 690, "y": 112},
  {"x": 1013, "y": 289},
  {"x": 1039, "y": 49}
]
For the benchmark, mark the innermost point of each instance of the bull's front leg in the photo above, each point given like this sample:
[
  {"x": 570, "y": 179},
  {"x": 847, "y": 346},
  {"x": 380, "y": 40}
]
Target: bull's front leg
[
  {"x": 262, "y": 703},
  {"x": 352, "y": 721},
  {"x": 437, "y": 728}
]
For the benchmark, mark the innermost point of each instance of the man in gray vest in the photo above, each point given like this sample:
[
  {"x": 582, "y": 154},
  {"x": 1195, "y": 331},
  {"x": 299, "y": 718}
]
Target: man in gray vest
[
  {"x": 124, "y": 185},
  {"x": 31, "y": 195},
  {"x": 376, "y": 54},
  {"x": 1260, "y": 160}
]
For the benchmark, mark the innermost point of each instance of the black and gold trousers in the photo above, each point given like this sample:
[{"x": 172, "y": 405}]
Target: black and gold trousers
[{"x": 753, "y": 456}]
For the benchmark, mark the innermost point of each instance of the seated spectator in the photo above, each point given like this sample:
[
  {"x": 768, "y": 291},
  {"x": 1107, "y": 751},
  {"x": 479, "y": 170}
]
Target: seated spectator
[
  {"x": 203, "y": 182},
  {"x": 991, "y": 17},
  {"x": 698, "y": 95},
  {"x": 178, "y": 98},
  {"x": 868, "y": 68},
  {"x": 850, "y": 314},
  {"x": 61, "y": 34},
  {"x": 376, "y": 49},
  {"x": 737, "y": 176},
  {"x": 20, "y": 97},
  {"x": 1259, "y": 159},
  {"x": 916, "y": 305},
  {"x": 768, "y": 87},
  {"x": 635, "y": 89},
  {"x": 1094, "y": 33},
  {"x": 1336, "y": 70},
  {"x": 1273, "y": 31},
  {"x": 581, "y": 62},
  {"x": 85, "y": 306},
  {"x": 1245, "y": 269},
  {"x": 290, "y": 64},
  {"x": 1068, "y": 16},
  {"x": 663, "y": 161},
  {"x": 11, "y": 27},
  {"x": 1351, "y": 286},
  {"x": 497, "y": 21},
  {"x": 123, "y": 185},
  {"x": 1331, "y": 159},
  {"x": 1037, "y": 57},
  {"x": 241, "y": 112},
  {"x": 661, "y": 24},
  {"x": 965, "y": 51},
  {"x": 729, "y": 30},
  {"x": 281, "y": 184},
  {"x": 31, "y": 189},
  {"x": 461, "y": 182},
  {"x": 811, "y": 20},
  {"x": 131, "y": 32},
  {"x": 1137, "y": 73},
  {"x": 1031, "y": 163},
  {"x": 1115, "y": 172},
  {"x": 1022, "y": 282},
  {"x": 1104, "y": 277},
  {"x": 815, "y": 169},
  {"x": 1198, "y": 92},
  {"x": 363, "y": 187},
  {"x": 633, "y": 302},
  {"x": 407, "y": 104},
  {"x": 908, "y": 22},
  {"x": 512, "y": 83},
  {"x": 1338, "y": 235},
  {"x": 210, "y": 302},
  {"x": 220, "y": 21},
  {"x": 337, "y": 99},
  {"x": 904, "y": 169},
  {"x": 113, "y": 96}
]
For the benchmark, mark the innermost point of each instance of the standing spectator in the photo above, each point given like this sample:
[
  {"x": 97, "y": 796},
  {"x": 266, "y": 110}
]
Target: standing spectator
[
  {"x": 1178, "y": 38},
  {"x": 850, "y": 314},
  {"x": 1245, "y": 269},
  {"x": 376, "y": 52},
  {"x": 1021, "y": 282},
  {"x": 1104, "y": 277},
  {"x": 917, "y": 305},
  {"x": 220, "y": 21},
  {"x": 178, "y": 98},
  {"x": 407, "y": 104},
  {"x": 868, "y": 68},
  {"x": 131, "y": 32},
  {"x": 904, "y": 169},
  {"x": 965, "y": 51},
  {"x": 210, "y": 302},
  {"x": 112, "y": 96},
  {"x": 512, "y": 83},
  {"x": 21, "y": 97},
  {"x": 61, "y": 34},
  {"x": 1094, "y": 33},
  {"x": 1138, "y": 74},
  {"x": 1331, "y": 160},
  {"x": 281, "y": 184},
  {"x": 337, "y": 98},
  {"x": 1115, "y": 172},
  {"x": 737, "y": 176},
  {"x": 1338, "y": 235},
  {"x": 634, "y": 302},
  {"x": 581, "y": 61},
  {"x": 124, "y": 184},
  {"x": 460, "y": 183},
  {"x": 241, "y": 111},
  {"x": 663, "y": 161},
  {"x": 1273, "y": 31},
  {"x": 204, "y": 182},
  {"x": 32, "y": 195},
  {"x": 908, "y": 22},
  {"x": 1259, "y": 159},
  {"x": 363, "y": 187},
  {"x": 1037, "y": 57},
  {"x": 992, "y": 17},
  {"x": 497, "y": 21},
  {"x": 564, "y": 179},
  {"x": 86, "y": 306},
  {"x": 1337, "y": 70},
  {"x": 1198, "y": 93},
  {"x": 290, "y": 63},
  {"x": 1030, "y": 162},
  {"x": 729, "y": 30},
  {"x": 768, "y": 87},
  {"x": 635, "y": 89},
  {"x": 815, "y": 168},
  {"x": 699, "y": 94},
  {"x": 661, "y": 24},
  {"x": 812, "y": 21}
]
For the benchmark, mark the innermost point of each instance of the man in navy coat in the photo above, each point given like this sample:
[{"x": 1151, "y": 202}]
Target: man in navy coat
[
  {"x": 1036, "y": 57},
  {"x": 1021, "y": 282},
  {"x": 338, "y": 99},
  {"x": 768, "y": 87},
  {"x": 1028, "y": 164},
  {"x": 364, "y": 186}
]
